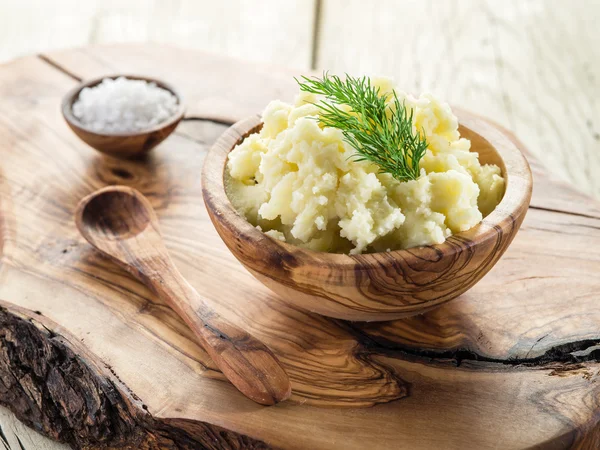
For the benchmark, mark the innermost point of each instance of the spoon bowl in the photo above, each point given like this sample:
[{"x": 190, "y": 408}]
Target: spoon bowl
[
  {"x": 115, "y": 214},
  {"x": 122, "y": 145},
  {"x": 121, "y": 223}
]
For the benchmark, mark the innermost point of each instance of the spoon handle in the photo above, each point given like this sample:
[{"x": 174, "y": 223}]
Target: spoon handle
[{"x": 244, "y": 360}]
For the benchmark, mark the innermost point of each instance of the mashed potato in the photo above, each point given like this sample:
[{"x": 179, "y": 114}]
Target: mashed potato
[{"x": 300, "y": 183}]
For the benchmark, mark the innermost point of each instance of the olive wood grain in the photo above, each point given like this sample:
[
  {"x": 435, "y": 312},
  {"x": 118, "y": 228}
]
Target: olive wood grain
[
  {"x": 120, "y": 222},
  {"x": 375, "y": 286},
  {"x": 513, "y": 363},
  {"x": 122, "y": 144}
]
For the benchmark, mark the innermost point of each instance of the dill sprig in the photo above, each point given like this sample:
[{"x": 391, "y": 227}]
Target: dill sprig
[{"x": 380, "y": 133}]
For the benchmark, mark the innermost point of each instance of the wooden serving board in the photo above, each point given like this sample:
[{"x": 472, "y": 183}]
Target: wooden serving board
[{"x": 90, "y": 357}]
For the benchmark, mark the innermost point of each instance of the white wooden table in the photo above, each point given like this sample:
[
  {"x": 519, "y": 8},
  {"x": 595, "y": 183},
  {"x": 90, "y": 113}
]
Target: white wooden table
[{"x": 531, "y": 65}]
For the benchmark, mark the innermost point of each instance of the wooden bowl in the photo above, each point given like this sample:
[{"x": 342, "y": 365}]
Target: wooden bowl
[
  {"x": 375, "y": 286},
  {"x": 123, "y": 145}
]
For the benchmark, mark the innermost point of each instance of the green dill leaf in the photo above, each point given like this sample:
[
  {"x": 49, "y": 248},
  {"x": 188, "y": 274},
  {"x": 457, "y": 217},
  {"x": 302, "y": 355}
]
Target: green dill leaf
[{"x": 379, "y": 133}]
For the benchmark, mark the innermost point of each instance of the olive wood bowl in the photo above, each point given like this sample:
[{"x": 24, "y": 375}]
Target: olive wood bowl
[
  {"x": 122, "y": 145},
  {"x": 375, "y": 286}
]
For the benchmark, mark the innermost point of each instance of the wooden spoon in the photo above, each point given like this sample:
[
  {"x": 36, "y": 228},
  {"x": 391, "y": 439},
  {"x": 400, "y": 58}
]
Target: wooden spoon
[{"x": 120, "y": 222}]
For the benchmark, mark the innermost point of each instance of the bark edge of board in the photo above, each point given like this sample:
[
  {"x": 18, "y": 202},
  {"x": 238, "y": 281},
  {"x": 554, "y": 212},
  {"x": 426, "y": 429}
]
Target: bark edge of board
[{"x": 54, "y": 385}]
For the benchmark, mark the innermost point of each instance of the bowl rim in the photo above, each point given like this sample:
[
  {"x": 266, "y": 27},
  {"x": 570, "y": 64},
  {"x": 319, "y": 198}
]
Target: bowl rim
[
  {"x": 71, "y": 96},
  {"x": 517, "y": 195}
]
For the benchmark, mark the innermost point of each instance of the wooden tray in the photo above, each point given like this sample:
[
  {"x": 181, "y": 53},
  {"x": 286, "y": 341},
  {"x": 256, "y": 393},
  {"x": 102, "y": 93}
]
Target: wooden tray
[{"x": 90, "y": 357}]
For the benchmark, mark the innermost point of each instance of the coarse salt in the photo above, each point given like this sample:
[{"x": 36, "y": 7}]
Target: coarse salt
[{"x": 124, "y": 105}]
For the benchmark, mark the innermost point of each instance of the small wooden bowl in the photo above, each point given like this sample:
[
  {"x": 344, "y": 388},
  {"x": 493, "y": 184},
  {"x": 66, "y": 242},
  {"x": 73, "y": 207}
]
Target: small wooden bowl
[
  {"x": 123, "y": 145},
  {"x": 375, "y": 286}
]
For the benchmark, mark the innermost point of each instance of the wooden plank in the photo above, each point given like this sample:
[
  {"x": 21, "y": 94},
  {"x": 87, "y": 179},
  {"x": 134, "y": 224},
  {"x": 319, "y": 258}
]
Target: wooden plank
[
  {"x": 530, "y": 65},
  {"x": 525, "y": 377},
  {"x": 269, "y": 31}
]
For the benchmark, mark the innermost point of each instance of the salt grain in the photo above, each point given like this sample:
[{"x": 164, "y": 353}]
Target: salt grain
[{"x": 124, "y": 105}]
